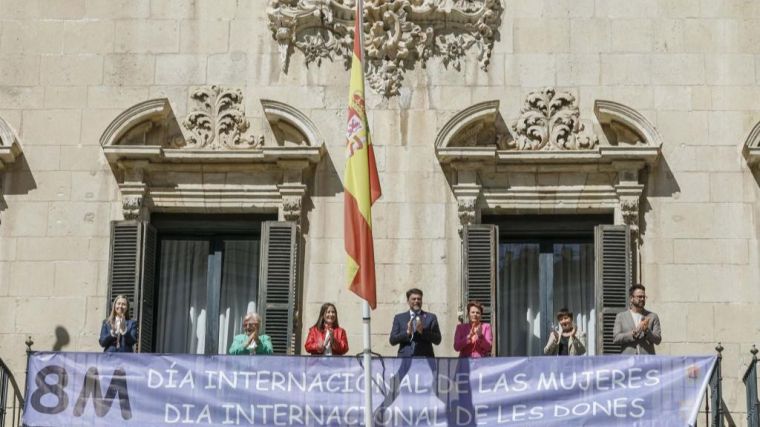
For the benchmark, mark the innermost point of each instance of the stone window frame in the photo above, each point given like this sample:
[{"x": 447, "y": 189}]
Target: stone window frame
[
  {"x": 477, "y": 140},
  {"x": 146, "y": 144},
  {"x": 549, "y": 140},
  {"x": 211, "y": 162},
  {"x": 549, "y": 161},
  {"x": 10, "y": 150}
]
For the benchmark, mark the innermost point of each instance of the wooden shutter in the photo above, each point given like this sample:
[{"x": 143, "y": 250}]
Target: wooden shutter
[
  {"x": 132, "y": 273},
  {"x": 277, "y": 284},
  {"x": 481, "y": 242},
  {"x": 148, "y": 289},
  {"x": 612, "y": 247}
]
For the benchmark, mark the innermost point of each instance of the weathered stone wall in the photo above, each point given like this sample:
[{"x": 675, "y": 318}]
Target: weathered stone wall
[{"x": 67, "y": 68}]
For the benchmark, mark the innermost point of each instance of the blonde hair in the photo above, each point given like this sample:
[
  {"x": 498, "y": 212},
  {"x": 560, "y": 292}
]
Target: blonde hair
[{"x": 112, "y": 316}]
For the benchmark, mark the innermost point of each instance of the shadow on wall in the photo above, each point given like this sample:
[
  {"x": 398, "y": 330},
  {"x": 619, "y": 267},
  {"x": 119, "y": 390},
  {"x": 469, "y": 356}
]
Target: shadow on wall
[
  {"x": 324, "y": 182},
  {"x": 660, "y": 182},
  {"x": 17, "y": 180},
  {"x": 62, "y": 338}
]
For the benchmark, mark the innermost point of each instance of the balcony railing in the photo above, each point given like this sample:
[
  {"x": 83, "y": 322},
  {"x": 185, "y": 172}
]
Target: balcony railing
[
  {"x": 750, "y": 383},
  {"x": 716, "y": 412},
  {"x": 11, "y": 401}
]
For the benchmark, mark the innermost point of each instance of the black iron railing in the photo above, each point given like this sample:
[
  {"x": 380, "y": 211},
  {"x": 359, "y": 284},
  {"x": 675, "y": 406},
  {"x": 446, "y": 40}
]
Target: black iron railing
[
  {"x": 750, "y": 384},
  {"x": 716, "y": 392},
  {"x": 716, "y": 412},
  {"x": 11, "y": 401}
]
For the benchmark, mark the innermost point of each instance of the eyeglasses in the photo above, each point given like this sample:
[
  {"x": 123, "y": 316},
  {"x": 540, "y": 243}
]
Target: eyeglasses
[
  {"x": 251, "y": 324},
  {"x": 639, "y": 297}
]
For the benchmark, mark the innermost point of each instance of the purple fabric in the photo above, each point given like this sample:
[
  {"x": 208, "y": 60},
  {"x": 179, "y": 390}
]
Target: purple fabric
[{"x": 107, "y": 389}]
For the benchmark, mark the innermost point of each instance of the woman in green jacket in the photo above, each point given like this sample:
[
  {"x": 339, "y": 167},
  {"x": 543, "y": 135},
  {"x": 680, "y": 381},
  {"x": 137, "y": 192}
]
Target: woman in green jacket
[{"x": 251, "y": 342}]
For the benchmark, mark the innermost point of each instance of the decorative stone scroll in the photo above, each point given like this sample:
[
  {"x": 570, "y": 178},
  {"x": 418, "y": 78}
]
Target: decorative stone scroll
[
  {"x": 211, "y": 162},
  {"x": 551, "y": 121},
  {"x": 548, "y": 160},
  {"x": 218, "y": 120},
  {"x": 398, "y": 33}
]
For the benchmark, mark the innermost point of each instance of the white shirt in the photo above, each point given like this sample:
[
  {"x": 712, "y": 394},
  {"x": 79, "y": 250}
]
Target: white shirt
[
  {"x": 415, "y": 318},
  {"x": 328, "y": 343},
  {"x": 636, "y": 318}
]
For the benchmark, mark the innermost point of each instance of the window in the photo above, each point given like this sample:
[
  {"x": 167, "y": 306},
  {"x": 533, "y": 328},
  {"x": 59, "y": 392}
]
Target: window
[
  {"x": 528, "y": 267},
  {"x": 207, "y": 279},
  {"x": 191, "y": 278}
]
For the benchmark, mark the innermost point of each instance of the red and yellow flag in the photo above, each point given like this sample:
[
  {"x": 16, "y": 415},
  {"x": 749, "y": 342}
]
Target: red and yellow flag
[{"x": 361, "y": 184}]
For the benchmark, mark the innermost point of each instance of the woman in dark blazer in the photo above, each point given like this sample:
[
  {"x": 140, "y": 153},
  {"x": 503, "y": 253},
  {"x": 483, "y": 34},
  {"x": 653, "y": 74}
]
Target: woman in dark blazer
[{"x": 119, "y": 332}]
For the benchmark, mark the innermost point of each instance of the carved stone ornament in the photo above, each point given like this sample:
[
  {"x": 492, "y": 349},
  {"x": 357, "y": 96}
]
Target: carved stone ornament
[
  {"x": 550, "y": 120},
  {"x": 291, "y": 208},
  {"x": 629, "y": 208},
  {"x": 218, "y": 122},
  {"x": 131, "y": 206},
  {"x": 398, "y": 33},
  {"x": 467, "y": 195},
  {"x": 466, "y": 211}
]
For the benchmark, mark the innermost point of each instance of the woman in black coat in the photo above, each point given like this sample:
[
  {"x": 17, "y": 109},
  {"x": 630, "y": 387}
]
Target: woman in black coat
[{"x": 119, "y": 332}]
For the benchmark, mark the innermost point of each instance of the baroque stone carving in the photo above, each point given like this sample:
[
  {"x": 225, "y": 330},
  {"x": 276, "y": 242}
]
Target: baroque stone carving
[
  {"x": 218, "y": 122},
  {"x": 291, "y": 208},
  {"x": 131, "y": 206},
  {"x": 466, "y": 211},
  {"x": 467, "y": 195},
  {"x": 398, "y": 33},
  {"x": 550, "y": 120},
  {"x": 629, "y": 208}
]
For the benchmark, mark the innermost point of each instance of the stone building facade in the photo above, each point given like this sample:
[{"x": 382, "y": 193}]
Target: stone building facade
[{"x": 538, "y": 117}]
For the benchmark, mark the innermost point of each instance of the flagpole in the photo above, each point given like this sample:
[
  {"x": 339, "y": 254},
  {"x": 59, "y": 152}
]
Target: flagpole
[
  {"x": 366, "y": 318},
  {"x": 367, "y": 367}
]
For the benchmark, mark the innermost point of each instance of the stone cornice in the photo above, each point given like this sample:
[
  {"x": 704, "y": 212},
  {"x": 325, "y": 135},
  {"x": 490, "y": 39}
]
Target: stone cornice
[
  {"x": 149, "y": 131},
  {"x": 548, "y": 131},
  {"x": 751, "y": 147}
]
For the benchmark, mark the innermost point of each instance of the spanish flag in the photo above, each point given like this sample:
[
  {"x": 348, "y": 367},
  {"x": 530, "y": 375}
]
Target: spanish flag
[{"x": 361, "y": 184}]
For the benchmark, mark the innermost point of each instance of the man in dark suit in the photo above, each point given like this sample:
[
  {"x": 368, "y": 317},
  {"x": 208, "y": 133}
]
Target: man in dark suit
[{"x": 415, "y": 331}]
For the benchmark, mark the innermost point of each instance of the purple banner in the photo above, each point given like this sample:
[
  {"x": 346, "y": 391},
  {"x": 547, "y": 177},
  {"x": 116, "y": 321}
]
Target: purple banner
[{"x": 107, "y": 389}]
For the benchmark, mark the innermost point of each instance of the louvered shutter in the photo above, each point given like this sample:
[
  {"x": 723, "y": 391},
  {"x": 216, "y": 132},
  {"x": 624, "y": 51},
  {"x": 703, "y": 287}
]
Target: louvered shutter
[
  {"x": 277, "y": 284},
  {"x": 132, "y": 273},
  {"x": 479, "y": 269},
  {"x": 148, "y": 288},
  {"x": 612, "y": 247}
]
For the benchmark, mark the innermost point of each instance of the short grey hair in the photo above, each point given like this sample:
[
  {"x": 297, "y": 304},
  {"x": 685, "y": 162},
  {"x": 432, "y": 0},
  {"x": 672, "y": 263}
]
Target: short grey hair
[{"x": 253, "y": 316}]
